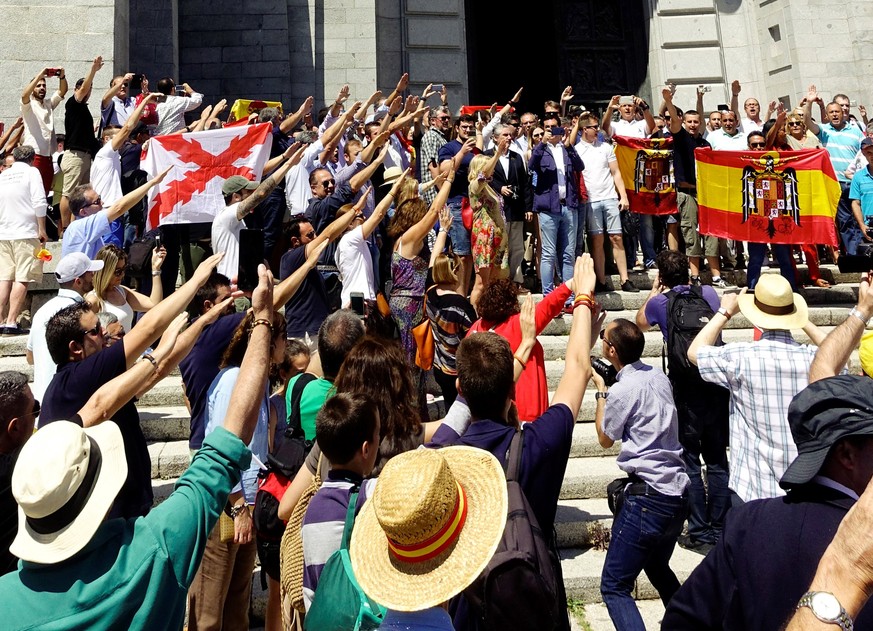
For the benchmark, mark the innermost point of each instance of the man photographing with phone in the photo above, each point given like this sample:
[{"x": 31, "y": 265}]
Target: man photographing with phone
[{"x": 39, "y": 128}]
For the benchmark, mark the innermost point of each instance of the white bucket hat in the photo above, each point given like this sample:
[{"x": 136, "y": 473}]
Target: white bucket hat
[{"x": 65, "y": 481}]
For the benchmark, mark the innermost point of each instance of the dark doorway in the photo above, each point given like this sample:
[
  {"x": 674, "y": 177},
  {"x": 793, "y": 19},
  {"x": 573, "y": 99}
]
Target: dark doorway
[{"x": 600, "y": 48}]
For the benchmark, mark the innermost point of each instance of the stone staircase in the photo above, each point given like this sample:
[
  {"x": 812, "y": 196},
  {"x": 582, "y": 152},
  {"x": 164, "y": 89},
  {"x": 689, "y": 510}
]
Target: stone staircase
[{"x": 582, "y": 517}]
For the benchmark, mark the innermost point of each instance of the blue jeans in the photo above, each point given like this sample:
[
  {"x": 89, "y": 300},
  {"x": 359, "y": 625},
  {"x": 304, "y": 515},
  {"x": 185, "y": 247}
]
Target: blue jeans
[
  {"x": 756, "y": 260},
  {"x": 457, "y": 232},
  {"x": 643, "y": 537},
  {"x": 706, "y": 518},
  {"x": 558, "y": 235},
  {"x": 850, "y": 233},
  {"x": 647, "y": 238}
]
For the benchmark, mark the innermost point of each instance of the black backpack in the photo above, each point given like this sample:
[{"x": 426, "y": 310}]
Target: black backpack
[
  {"x": 518, "y": 589},
  {"x": 282, "y": 465},
  {"x": 687, "y": 313}
]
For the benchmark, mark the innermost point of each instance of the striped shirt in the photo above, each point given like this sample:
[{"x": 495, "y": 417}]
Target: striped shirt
[
  {"x": 842, "y": 145},
  {"x": 323, "y": 524},
  {"x": 451, "y": 316},
  {"x": 762, "y": 377},
  {"x": 431, "y": 143}
]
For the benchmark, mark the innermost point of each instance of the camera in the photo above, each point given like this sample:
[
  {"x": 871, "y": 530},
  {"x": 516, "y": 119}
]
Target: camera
[{"x": 606, "y": 370}]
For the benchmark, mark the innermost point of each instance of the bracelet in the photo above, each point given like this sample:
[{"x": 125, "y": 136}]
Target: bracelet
[
  {"x": 236, "y": 509},
  {"x": 156, "y": 272},
  {"x": 583, "y": 304},
  {"x": 724, "y": 312},
  {"x": 857, "y": 313},
  {"x": 263, "y": 321},
  {"x": 148, "y": 357},
  {"x": 444, "y": 230},
  {"x": 584, "y": 297},
  {"x": 518, "y": 359}
]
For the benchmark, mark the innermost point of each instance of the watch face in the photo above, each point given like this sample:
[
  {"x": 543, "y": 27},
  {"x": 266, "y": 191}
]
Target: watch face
[{"x": 825, "y": 606}]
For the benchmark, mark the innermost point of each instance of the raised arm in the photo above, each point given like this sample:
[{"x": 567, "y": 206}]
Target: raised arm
[
  {"x": 566, "y": 97},
  {"x": 577, "y": 367},
  {"x": 153, "y": 323},
  {"x": 114, "y": 89},
  {"x": 773, "y": 133},
  {"x": 260, "y": 194},
  {"x": 606, "y": 123},
  {"x": 361, "y": 114},
  {"x": 528, "y": 323},
  {"x": 382, "y": 207},
  {"x": 288, "y": 287},
  {"x": 82, "y": 92},
  {"x": 128, "y": 201},
  {"x": 736, "y": 88},
  {"x": 363, "y": 176},
  {"x": 130, "y": 124},
  {"x": 675, "y": 121},
  {"x": 440, "y": 242},
  {"x": 401, "y": 86},
  {"x": 277, "y": 161},
  {"x": 647, "y": 114},
  {"x": 293, "y": 120},
  {"x": 113, "y": 395},
  {"x": 28, "y": 91},
  {"x": 709, "y": 334},
  {"x": 834, "y": 351},
  {"x": 699, "y": 104},
  {"x": 811, "y": 95}
]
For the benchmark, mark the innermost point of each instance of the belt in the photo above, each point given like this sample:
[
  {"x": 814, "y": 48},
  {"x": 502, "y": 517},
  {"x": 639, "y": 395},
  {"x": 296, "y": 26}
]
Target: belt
[{"x": 642, "y": 488}]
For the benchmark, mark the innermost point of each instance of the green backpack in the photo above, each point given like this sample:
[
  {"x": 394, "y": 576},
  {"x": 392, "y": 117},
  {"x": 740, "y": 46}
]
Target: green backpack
[{"x": 339, "y": 603}]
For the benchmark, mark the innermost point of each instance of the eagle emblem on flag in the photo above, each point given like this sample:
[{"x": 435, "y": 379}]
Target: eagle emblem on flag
[
  {"x": 770, "y": 194},
  {"x": 653, "y": 172}
]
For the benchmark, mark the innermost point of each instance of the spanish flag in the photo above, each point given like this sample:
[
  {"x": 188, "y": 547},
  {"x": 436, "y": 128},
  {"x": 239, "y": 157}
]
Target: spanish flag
[
  {"x": 767, "y": 196},
  {"x": 241, "y": 108},
  {"x": 646, "y": 166}
]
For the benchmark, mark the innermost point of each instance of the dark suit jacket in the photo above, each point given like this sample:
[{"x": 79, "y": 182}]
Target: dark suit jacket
[
  {"x": 546, "y": 196},
  {"x": 763, "y": 564},
  {"x": 517, "y": 177}
]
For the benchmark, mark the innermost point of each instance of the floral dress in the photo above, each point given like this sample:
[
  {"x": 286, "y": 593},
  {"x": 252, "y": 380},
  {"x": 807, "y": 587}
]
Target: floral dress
[{"x": 489, "y": 239}]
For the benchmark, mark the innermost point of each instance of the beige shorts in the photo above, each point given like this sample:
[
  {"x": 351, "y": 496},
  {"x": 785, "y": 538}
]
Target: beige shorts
[
  {"x": 76, "y": 166},
  {"x": 18, "y": 261},
  {"x": 696, "y": 245}
]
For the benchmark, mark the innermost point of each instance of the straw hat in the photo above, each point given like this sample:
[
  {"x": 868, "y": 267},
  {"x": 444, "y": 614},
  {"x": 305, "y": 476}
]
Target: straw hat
[
  {"x": 65, "y": 481},
  {"x": 391, "y": 175},
  {"x": 432, "y": 525},
  {"x": 774, "y": 305}
]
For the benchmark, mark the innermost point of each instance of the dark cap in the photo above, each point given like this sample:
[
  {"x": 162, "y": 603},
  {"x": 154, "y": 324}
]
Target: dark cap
[
  {"x": 820, "y": 415},
  {"x": 867, "y": 142},
  {"x": 236, "y": 183},
  {"x": 141, "y": 128}
]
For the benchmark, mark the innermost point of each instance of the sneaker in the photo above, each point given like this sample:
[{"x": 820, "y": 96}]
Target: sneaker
[
  {"x": 11, "y": 331},
  {"x": 721, "y": 283},
  {"x": 628, "y": 286},
  {"x": 600, "y": 288},
  {"x": 693, "y": 545},
  {"x": 650, "y": 265},
  {"x": 695, "y": 281}
]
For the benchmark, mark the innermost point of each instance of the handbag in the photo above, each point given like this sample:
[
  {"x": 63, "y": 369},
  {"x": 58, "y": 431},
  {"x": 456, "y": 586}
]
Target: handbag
[
  {"x": 424, "y": 342},
  {"x": 225, "y": 528},
  {"x": 339, "y": 602},
  {"x": 615, "y": 494},
  {"x": 466, "y": 214}
]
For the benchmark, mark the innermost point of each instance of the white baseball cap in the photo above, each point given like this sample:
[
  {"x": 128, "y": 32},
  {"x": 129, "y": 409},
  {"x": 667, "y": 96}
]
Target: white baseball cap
[{"x": 74, "y": 265}]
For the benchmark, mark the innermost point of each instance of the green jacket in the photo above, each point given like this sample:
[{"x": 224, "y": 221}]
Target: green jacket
[{"x": 133, "y": 574}]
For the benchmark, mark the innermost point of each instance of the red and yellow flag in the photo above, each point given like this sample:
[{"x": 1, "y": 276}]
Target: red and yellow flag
[
  {"x": 767, "y": 196},
  {"x": 241, "y": 108},
  {"x": 646, "y": 166}
]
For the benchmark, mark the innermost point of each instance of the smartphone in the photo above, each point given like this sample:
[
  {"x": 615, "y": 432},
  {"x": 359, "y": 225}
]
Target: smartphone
[
  {"x": 53, "y": 72},
  {"x": 159, "y": 242},
  {"x": 724, "y": 107},
  {"x": 704, "y": 88},
  {"x": 558, "y": 131},
  {"x": 136, "y": 82},
  {"x": 180, "y": 91},
  {"x": 357, "y": 299},
  {"x": 251, "y": 254},
  {"x": 437, "y": 87}
]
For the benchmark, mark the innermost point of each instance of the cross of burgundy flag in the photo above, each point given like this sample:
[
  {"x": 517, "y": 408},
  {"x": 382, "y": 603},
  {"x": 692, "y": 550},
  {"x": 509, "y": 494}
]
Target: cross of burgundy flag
[{"x": 199, "y": 164}]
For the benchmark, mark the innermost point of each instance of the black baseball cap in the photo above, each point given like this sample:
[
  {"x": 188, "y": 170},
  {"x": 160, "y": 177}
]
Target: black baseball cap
[{"x": 820, "y": 415}]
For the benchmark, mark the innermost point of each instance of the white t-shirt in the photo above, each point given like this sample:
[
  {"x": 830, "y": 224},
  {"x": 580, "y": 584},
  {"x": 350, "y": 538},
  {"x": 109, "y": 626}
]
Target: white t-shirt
[
  {"x": 39, "y": 128},
  {"x": 747, "y": 125},
  {"x": 355, "y": 265},
  {"x": 171, "y": 113},
  {"x": 561, "y": 168},
  {"x": 597, "y": 157},
  {"x": 631, "y": 129},
  {"x": 720, "y": 141},
  {"x": 297, "y": 190},
  {"x": 225, "y": 238},
  {"x": 106, "y": 174},
  {"x": 44, "y": 368},
  {"x": 22, "y": 200}
]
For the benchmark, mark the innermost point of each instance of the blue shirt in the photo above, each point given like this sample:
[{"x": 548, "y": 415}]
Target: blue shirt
[
  {"x": 640, "y": 412},
  {"x": 862, "y": 190},
  {"x": 85, "y": 234},
  {"x": 842, "y": 145}
]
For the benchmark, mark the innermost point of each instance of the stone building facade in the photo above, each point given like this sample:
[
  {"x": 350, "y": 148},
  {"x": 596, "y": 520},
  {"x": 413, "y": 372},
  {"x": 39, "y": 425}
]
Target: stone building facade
[{"x": 288, "y": 49}]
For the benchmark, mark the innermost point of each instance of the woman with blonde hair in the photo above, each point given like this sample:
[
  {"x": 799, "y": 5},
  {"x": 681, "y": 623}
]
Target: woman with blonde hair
[
  {"x": 111, "y": 296},
  {"x": 488, "y": 239}
]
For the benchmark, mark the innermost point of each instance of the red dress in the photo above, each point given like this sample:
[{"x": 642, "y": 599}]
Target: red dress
[{"x": 532, "y": 389}]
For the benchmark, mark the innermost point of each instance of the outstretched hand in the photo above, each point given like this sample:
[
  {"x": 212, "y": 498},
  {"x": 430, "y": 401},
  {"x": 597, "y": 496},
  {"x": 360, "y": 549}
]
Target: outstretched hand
[{"x": 262, "y": 296}]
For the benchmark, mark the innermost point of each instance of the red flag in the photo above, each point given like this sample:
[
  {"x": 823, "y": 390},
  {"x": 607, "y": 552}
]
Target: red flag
[{"x": 646, "y": 166}]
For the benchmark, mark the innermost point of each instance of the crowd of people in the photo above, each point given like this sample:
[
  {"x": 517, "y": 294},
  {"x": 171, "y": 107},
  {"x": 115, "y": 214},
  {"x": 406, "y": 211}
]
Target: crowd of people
[{"x": 406, "y": 241}]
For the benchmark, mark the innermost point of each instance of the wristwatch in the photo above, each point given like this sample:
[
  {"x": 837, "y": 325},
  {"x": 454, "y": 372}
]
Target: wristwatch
[
  {"x": 601, "y": 395},
  {"x": 724, "y": 312},
  {"x": 236, "y": 510},
  {"x": 827, "y": 608}
]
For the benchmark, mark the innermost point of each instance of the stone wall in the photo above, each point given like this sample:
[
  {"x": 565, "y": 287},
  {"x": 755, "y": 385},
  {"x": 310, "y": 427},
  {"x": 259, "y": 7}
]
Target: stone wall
[{"x": 49, "y": 33}]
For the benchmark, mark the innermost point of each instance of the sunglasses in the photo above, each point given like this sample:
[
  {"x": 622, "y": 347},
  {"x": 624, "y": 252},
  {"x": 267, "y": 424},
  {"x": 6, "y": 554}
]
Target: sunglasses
[
  {"x": 34, "y": 411},
  {"x": 97, "y": 202},
  {"x": 444, "y": 118},
  {"x": 603, "y": 337},
  {"x": 591, "y": 126},
  {"x": 539, "y": 135},
  {"x": 327, "y": 183},
  {"x": 97, "y": 330},
  {"x": 758, "y": 145},
  {"x": 119, "y": 271},
  {"x": 795, "y": 124},
  {"x": 310, "y": 234}
]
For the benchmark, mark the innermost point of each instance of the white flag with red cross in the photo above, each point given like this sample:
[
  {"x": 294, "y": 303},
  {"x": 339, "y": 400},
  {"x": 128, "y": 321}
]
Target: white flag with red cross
[{"x": 199, "y": 164}]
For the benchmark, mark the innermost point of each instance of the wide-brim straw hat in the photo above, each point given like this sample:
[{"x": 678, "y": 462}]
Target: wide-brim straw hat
[
  {"x": 391, "y": 175},
  {"x": 415, "y": 503},
  {"x": 65, "y": 481},
  {"x": 774, "y": 305}
]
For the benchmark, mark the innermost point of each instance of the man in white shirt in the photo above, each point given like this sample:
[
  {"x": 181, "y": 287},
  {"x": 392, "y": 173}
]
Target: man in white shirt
[
  {"x": 729, "y": 137},
  {"x": 297, "y": 190},
  {"x": 22, "y": 231},
  {"x": 242, "y": 197},
  {"x": 75, "y": 276},
  {"x": 627, "y": 125},
  {"x": 607, "y": 199},
  {"x": 39, "y": 127},
  {"x": 171, "y": 112}
]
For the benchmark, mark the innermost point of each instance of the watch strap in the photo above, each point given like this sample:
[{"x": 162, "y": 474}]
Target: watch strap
[{"x": 843, "y": 620}]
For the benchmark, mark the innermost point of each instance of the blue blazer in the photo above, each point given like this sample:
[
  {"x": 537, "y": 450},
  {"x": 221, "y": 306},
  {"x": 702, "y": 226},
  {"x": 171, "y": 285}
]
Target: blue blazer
[
  {"x": 762, "y": 565},
  {"x": 546, "y": 198}
]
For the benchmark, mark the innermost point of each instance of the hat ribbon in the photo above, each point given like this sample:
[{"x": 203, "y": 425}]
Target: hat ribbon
[
  {"x": 438, "y": 543},
  {"x": 771, "y": 310},
  {"x": 64, "y": 516}
]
